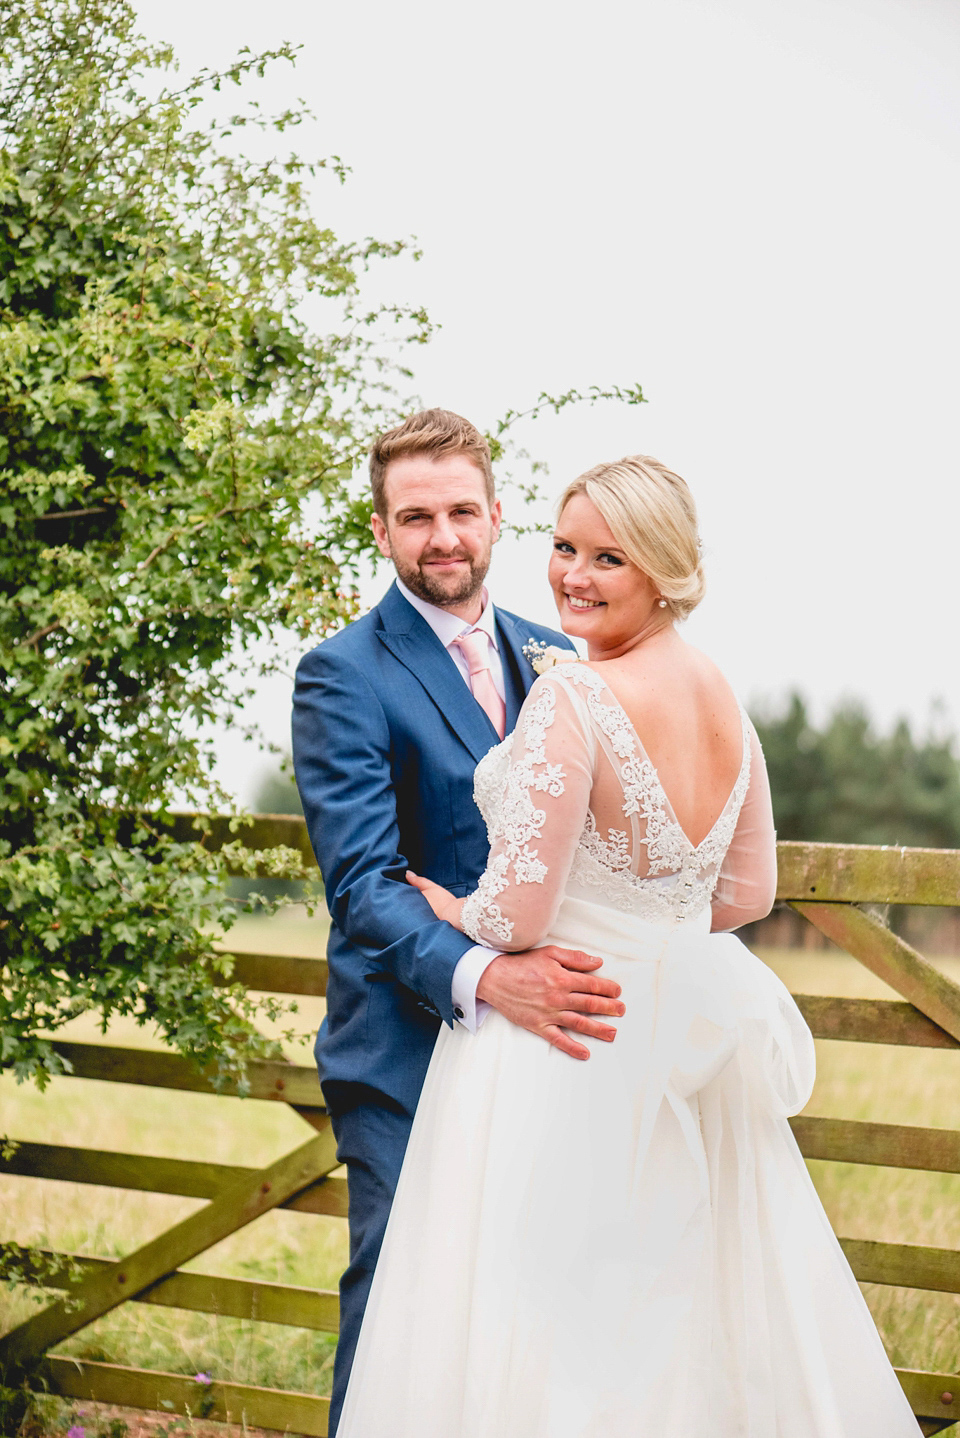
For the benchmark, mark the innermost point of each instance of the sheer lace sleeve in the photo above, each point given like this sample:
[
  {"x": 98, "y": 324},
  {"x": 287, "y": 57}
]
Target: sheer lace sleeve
[
  {"x": 539, "y": 820},
  {"x": 747, "y": 885}
]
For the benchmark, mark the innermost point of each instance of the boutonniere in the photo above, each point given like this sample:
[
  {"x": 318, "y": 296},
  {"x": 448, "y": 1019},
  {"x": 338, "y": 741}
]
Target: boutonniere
[{"x": 543, "y": 656}]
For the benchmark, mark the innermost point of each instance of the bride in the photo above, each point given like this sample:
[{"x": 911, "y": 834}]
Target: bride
[{"x": 630, "y": 1247}]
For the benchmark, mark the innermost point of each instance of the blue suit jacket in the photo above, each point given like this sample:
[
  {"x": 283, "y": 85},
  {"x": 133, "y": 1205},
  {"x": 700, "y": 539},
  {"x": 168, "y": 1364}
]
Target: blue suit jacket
[{"x": 386, "y": 737}]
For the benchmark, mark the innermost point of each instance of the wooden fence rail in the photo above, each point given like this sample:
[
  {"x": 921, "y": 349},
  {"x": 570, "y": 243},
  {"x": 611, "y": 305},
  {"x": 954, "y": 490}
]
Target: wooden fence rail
[{"x": 824, "y": 882}]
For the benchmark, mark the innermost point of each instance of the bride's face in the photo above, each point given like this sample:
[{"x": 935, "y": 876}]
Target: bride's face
[{"x": 601, "y": 596}]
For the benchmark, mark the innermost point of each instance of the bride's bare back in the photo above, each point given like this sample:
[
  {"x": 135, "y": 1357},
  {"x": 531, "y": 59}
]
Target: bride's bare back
[
  {"x": 692, "y": 736},
  {"x": 687, "y": 720}
]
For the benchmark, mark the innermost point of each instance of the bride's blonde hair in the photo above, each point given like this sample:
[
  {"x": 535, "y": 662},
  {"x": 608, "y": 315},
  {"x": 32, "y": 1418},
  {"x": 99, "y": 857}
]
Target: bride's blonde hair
[{"x": 652, "y": 515}]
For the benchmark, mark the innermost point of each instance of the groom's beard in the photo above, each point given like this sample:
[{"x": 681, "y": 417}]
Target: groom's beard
[{"x": 433, "y": 590}]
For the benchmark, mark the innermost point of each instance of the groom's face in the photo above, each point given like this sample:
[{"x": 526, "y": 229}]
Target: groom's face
[{"x": 439, "y": 527}]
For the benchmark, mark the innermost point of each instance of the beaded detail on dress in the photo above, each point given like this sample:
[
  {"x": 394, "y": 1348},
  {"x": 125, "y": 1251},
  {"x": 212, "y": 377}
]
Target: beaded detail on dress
[{"x": 649, "y": 868}]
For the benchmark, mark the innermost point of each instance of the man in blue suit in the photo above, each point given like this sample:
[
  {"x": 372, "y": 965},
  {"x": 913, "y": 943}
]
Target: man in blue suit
[{"x": 391, "y": 717}]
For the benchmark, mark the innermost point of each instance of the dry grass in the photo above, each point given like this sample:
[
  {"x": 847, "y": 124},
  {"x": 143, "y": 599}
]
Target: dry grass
[
  {"x": 920, "y": 1330},
  {"x": 887, "y": 1085},
  {"x": 281, "y": 1247}
]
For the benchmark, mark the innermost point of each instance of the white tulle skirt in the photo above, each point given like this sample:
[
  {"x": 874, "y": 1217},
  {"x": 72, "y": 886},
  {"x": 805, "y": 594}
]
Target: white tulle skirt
[{"x": 629, "y": 1247}]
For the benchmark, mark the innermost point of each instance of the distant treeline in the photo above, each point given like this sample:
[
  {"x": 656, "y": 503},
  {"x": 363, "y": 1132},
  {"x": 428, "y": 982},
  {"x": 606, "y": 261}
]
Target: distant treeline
[
  {"x": 841, "y": 782},
  {"x": 276, "y": 793},
  {"x": 846, "y": 784}
]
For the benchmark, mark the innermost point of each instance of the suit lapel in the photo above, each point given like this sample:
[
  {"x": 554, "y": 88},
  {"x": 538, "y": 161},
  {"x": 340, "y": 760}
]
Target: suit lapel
[{"x": 411, "y": 641}]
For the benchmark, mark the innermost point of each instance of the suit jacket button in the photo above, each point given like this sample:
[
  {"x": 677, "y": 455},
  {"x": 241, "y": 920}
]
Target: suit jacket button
[{"x": 458, "y": 1012}]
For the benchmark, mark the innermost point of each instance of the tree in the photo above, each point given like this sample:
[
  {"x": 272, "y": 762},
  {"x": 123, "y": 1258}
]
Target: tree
[
  {"x": 174, "y": 437},
  {"x": 845, "y": 784},
  {"x": 176, "y": 451},
  {"x": 167, "y": 420}
]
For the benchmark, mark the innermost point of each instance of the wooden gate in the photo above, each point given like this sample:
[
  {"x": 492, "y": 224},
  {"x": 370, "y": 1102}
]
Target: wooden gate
[{"x": 823, "y": 882}]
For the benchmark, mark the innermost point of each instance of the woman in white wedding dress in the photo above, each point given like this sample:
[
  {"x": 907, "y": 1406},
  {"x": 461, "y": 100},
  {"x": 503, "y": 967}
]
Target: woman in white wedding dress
[{"x": 628, "y": 1247}]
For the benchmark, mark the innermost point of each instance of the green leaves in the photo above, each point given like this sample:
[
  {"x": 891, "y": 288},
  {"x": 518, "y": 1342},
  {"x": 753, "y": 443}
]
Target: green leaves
[
  {"x": 844, "y": 784},
  {"x": 177, "y": 450},
  {"x": 172, "y": 433}
]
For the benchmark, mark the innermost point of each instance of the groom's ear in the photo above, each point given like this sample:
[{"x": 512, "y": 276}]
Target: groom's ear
[
  {"x": 496, "y": 518},
  {"x": 380, "y": 535}
]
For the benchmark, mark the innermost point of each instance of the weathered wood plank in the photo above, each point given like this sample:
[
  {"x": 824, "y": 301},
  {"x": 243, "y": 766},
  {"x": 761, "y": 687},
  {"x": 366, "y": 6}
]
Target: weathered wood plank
[
  {"x": 315, "y": 1116},
  {"x": 299, "y": 1307},
  {"x": 327, "y": 1197},
  {"x": 903, "y": 1265},
  {"x": 277, "y": 973},
  {"x": 867, "y": 874},
  {"x": 837, "y": 873},
  {"x": 191, "y": 1178},
  {"x": 932, "y": 1395},
  {"x": 100, "y": 1292},
  {"x": 891, "y": 959},
  {"x": 284, "y": 1082},
  {"x": 239, "y": 1403},
  {"x": 889, "y": 1145},
  {"x": 315, "y": 1308},
  {"x": 872, "y": 1021}
]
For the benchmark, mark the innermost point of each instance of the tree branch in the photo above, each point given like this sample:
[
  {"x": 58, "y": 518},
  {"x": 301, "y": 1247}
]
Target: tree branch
[
  {"x": 69, "y": 513},
  {"x": 39, "y": 634}
]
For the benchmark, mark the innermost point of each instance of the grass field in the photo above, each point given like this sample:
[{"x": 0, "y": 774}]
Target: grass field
[{"x": 921, "y": 1330}]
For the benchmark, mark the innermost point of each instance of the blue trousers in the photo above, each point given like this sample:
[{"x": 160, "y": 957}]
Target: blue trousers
[{"x": 371, "y": 1141}]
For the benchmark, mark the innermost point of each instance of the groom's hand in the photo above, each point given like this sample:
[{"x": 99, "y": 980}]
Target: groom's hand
[{"x": 550, "y": 990}]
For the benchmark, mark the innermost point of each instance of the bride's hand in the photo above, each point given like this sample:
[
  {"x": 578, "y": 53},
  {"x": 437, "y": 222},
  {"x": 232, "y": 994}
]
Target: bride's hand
[{"x": 441, "y": 901}]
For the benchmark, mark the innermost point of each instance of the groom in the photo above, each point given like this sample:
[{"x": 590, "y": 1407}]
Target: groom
[{"x": 391, "y": 716}]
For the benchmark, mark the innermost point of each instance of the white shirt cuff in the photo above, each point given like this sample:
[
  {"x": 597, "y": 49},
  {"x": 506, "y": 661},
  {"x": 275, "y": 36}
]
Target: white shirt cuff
[{"x": 467, "y": 1008}]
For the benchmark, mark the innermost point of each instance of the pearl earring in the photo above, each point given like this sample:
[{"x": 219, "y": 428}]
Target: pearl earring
[{"x": 662, "y": 603}]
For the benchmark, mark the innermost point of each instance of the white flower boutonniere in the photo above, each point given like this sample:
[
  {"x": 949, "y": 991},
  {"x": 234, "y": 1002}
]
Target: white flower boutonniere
[{"x": 544, "y": 656}]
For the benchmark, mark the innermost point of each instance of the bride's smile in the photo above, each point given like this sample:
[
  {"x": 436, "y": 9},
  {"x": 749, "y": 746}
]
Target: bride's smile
[{"x": 602, "y": 597}]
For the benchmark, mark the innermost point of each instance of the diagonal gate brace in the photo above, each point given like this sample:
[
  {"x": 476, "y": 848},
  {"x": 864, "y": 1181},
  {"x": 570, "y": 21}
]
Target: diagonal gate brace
[
  {"x": 890, "y": 958},
  {"x": 237, "y": 1205}
]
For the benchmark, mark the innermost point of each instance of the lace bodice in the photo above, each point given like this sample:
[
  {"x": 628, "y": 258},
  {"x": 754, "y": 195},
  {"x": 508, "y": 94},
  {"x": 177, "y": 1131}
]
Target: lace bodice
[{"x": 573, "y": 805}]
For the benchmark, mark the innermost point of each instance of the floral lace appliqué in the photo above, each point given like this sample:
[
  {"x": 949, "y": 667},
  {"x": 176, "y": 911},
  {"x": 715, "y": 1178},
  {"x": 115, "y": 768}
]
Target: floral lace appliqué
[
  {"x": 679, "y": 877},
  {"x": 513, "y": 821}
]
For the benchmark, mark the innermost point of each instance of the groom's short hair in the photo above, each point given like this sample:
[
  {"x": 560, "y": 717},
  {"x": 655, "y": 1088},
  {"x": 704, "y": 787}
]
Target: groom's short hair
[{"x": 435, "y": 432}]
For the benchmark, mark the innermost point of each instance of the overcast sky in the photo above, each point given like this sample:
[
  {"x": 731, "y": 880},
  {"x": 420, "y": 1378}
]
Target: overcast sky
[{"x": 751, "y": 209}]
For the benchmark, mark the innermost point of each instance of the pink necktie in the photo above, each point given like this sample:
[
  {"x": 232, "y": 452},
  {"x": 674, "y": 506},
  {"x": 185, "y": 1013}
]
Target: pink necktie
[{"x": 476, "y": 650}]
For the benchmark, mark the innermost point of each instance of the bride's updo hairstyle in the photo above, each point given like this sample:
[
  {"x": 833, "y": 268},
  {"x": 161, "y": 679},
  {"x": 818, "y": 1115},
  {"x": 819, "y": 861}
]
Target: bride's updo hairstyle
[{"x": 653, "y": 518}]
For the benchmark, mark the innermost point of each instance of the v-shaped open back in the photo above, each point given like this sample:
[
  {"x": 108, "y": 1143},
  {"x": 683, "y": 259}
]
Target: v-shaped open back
[
  {"x": 574, "y": 805},
  {"x": 656, "y": 782}
]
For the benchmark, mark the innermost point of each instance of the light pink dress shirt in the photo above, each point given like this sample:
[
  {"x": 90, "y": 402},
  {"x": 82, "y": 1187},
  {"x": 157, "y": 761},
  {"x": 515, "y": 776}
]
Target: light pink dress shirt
[{"x": 469, "y": 1010}]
